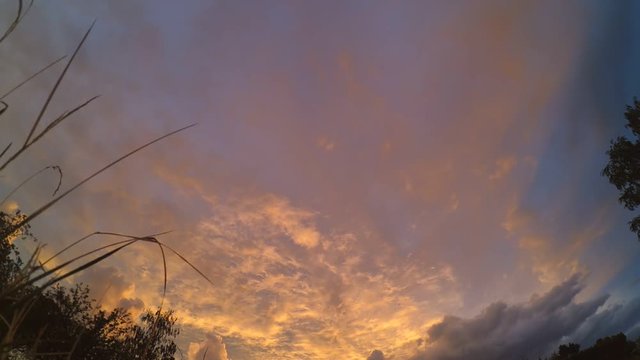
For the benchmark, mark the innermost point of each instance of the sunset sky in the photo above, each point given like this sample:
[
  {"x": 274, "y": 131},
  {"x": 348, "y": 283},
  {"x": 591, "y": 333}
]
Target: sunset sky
[{"x": 420, "y": 178}]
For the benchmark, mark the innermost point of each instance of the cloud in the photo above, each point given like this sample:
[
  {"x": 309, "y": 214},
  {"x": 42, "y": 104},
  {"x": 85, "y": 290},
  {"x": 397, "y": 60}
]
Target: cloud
[
  {"x": 503, "y": 167},
  {"x": 325, "y": 144},
  {"x": 551, "y": 251},
  {"x": 293, "y": 221},
  {"x": 277, "y": 300},
  {"x": 375, "y": 163},
  {"x": 503, "y": 331},
  {"x": 135, "y": 306},
  {"x": 9, "y": 207},
  {"x": 376, "y": 355},
  {"x": 617, "y": 317},
  {"x": 212, "y": 348},
  {"x": 111, "y": 288}
]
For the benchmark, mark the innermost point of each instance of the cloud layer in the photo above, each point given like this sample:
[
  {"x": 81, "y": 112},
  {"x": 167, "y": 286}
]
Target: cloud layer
[
  {"x": 358, "y": 172},
  {"x": 504, "y": 331},
  {"x": 336, "y": 299},
  {"x": 531, "y": 329}
]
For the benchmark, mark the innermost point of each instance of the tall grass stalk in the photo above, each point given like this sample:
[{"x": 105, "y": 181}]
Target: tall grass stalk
[{"x": 36, "y": 275}]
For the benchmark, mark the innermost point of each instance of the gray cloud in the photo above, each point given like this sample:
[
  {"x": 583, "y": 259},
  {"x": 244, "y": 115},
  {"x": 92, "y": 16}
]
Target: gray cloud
[
  {"x": 613, "y": 319},
  {"x": 131, "y": 304},
  {"x": 376, "y": 355},
  {"x": 505, "y": 331}
]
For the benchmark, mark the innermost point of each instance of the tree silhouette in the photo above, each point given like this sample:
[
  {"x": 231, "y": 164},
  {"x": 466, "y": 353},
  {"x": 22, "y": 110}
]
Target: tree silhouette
[
  {"x": 153, "y": 339},
  {"x": 566, "y": 352},
  {"x": 65, "y": 323},
  {"x": 615, "y": 347},
  {"x": 10, "y": 262},
  {"x": 623, "y": 169}
]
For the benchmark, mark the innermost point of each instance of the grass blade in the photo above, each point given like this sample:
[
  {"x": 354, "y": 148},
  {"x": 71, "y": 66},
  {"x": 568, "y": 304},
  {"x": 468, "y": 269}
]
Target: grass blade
[
  {"x": 49, "y": 127},
  {"x": 189, "y": 263},
  {"x": 68, "y": 262},
  {"x": 44, "y": 107},
  {"x": 31, "y": 77},
  {"x": 29, "y": 179},
  {"x": 164, "y": 265},
  {"x": 87, "y": 264},
  {"x": 14, "y": 23},
  {"x": 99, "y": 233},
  {"x": 59, "y": 170},
  {"x": 60, "y": 119},
  {"x": 96, "y": 173},
  {"x": 68, "y": 247},
  {"x": 82, "y": 267},
  {"x": 5, "y": 150}
]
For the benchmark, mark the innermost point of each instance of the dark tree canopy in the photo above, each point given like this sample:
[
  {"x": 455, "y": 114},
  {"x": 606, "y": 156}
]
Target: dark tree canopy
[
  {"x": 623, "y": 169},
  {"x": 615, "y": 347},
  {"x": 65, "y": 323}
]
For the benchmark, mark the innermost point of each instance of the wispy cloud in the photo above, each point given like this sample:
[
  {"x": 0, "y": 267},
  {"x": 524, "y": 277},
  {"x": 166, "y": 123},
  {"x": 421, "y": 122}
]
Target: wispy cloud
[{"x": 357, "y": 172}]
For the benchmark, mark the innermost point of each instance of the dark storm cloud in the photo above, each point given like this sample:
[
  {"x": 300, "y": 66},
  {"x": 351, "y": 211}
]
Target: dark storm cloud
[
  {"x": 615, "y": 318},
  {"x": 505, "y": 331}
]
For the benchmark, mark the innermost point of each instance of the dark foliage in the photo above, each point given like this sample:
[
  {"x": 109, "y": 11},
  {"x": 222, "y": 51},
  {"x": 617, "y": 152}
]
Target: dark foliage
[
  {"x": 10, "y": 262},
  {"x": 623, "y": 169},
  {"x": 153, "y": 339},
  {"x": 615, "y": 347},
  {"x": 65, "y": 323}
]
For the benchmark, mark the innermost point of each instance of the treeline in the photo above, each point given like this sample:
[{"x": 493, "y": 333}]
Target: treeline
[
  {"x": 616, "y": 347},
  {"x": 61, "y": 322}
]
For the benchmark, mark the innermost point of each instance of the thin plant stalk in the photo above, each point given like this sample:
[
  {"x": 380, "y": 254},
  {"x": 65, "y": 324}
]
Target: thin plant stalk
[
  {"x": 54, "y": 167},
  {"x": 28, "y": 141},
  {"x": 52, "y": 202},
  {"x": 20, "y": 14},
  {"x": 20, "y": 84}
]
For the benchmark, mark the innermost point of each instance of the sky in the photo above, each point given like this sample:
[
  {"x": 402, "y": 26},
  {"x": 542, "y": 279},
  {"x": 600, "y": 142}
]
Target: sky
[{"x": 367, "y": 179}]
